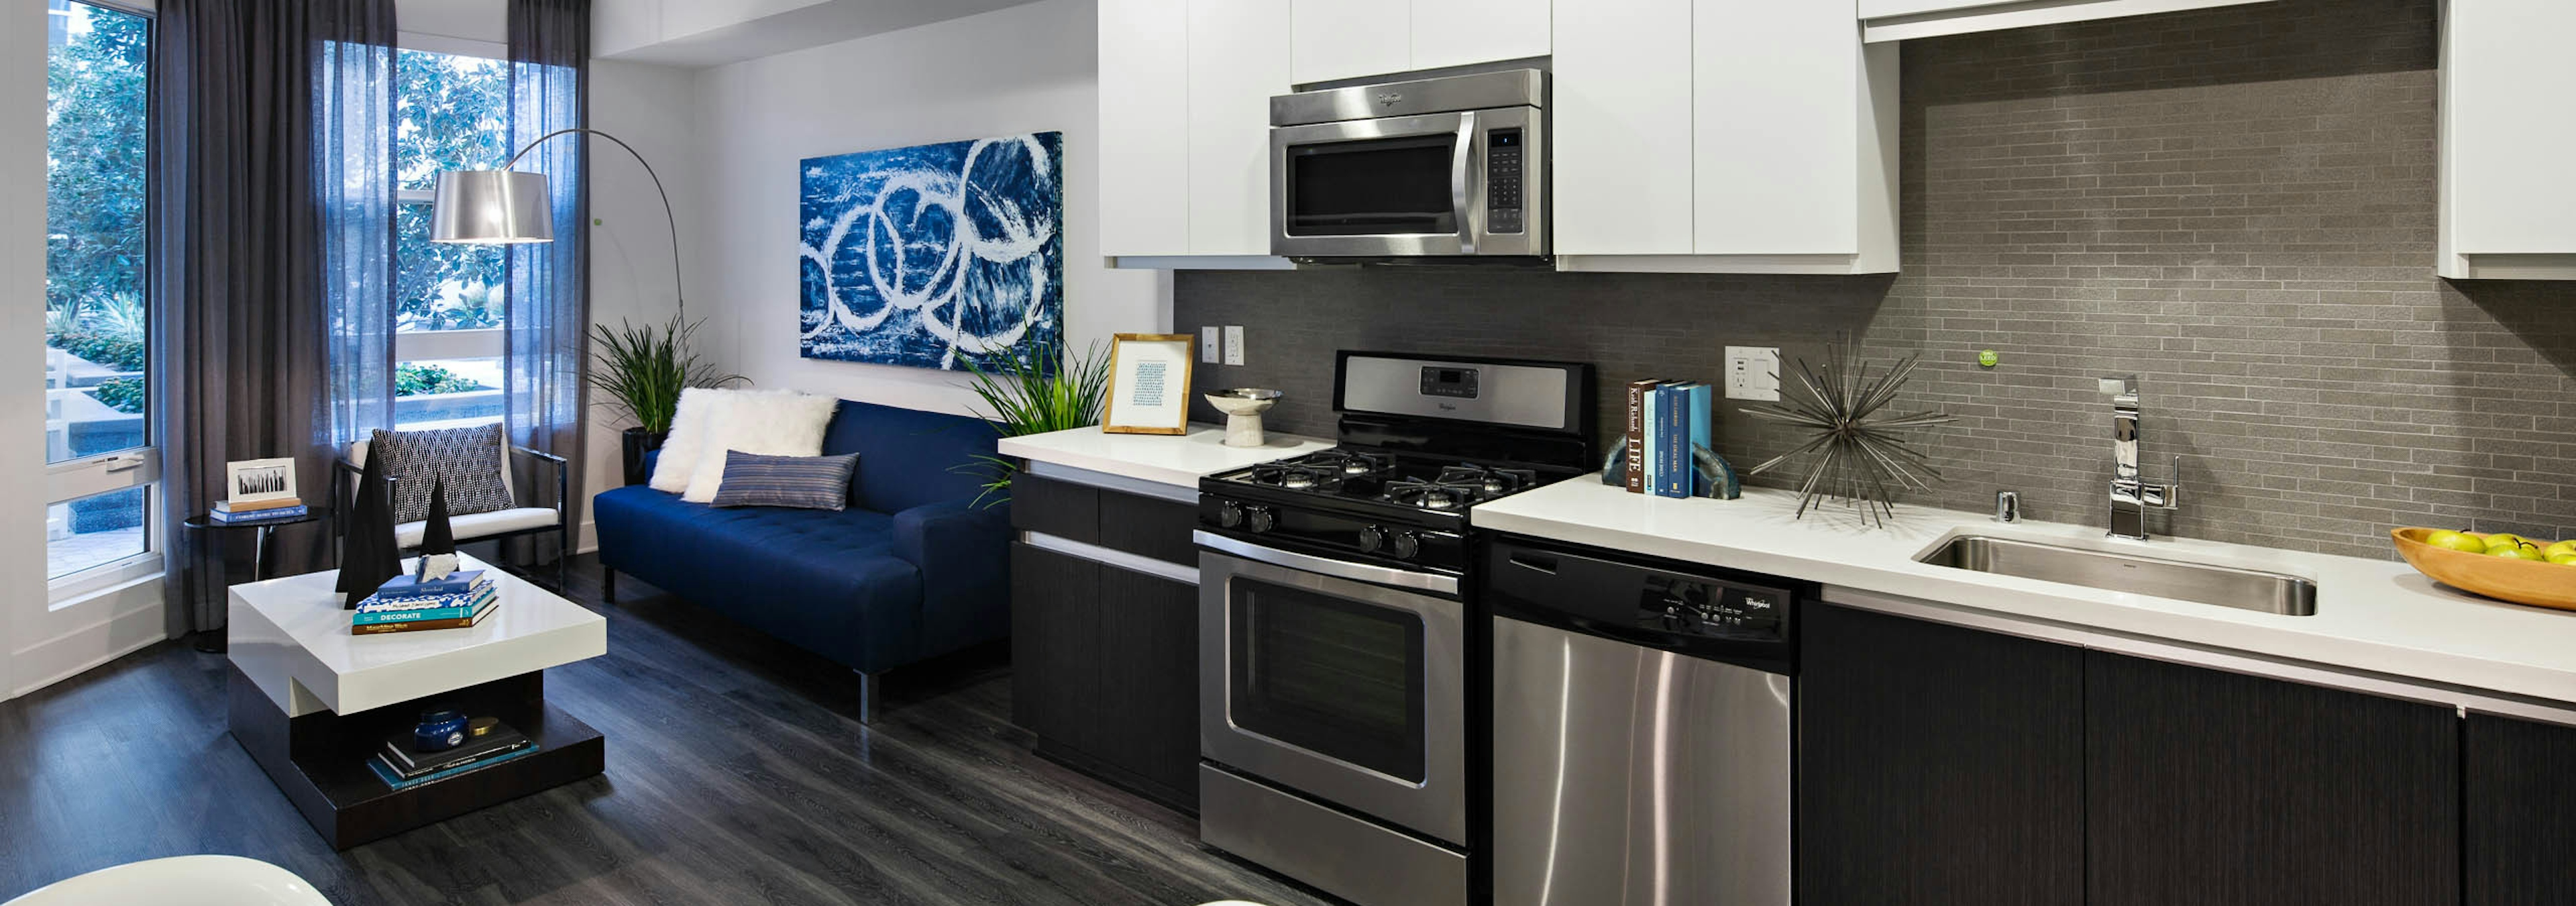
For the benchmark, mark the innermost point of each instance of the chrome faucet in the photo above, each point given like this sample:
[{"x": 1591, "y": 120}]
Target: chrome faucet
[{"x": 2131, "y": 493}]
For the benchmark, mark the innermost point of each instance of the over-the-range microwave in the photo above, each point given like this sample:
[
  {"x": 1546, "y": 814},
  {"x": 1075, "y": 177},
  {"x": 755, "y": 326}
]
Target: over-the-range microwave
[{"x": 1445, "y": 168}]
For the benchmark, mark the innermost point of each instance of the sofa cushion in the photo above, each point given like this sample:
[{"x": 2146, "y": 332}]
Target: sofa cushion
[
  {"x": 467, "y": 462},
  {"x": 482, "y": 525},
  {"x": 908, "y": 457},
  {"x": 678, "y": 461},
  {"x": 802, "y": 482},
  {"x": 766, "y": 422},
  {"x": 827, "y": 581}
]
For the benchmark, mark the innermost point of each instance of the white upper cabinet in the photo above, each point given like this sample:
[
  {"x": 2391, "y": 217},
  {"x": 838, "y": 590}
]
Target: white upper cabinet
[
  {"x": 1349, "y": 39},
  {"x": 1622, "y": 129},
  {"x": 1144, "y": 128},
  {"x": 2508, "y": 184},
  {"x": 1462, "y": 32},
  {"x": 1743, "y": 136},
  {"x": 1898, "y": 20},
  {"x": 1238, "y": 58}
]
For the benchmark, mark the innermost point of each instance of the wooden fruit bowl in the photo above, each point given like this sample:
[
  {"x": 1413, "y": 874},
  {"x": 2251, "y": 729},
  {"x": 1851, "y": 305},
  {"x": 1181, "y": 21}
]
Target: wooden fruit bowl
[{"x": 2504, "y": 578}]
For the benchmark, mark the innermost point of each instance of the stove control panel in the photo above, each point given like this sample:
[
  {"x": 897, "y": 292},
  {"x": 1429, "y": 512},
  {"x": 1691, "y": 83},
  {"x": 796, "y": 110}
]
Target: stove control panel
[{"x": 1445, "y": 380}]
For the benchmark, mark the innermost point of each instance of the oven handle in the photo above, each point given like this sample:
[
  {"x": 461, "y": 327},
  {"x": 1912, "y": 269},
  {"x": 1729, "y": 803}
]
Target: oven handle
[
  {"x": 1459, "y": 204},
  {"x": 1339, "y": 569}
]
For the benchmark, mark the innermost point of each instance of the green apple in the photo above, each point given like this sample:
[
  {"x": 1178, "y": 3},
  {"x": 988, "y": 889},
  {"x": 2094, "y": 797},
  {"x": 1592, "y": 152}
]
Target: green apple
[
  {"x": 2563, "y": 547},
  {"x": 2458, "y": 541},
  {"x": 2565, "y": 559},
  {"x": 2505, "y": 539},
  {"x": 2524, "y": 551}
]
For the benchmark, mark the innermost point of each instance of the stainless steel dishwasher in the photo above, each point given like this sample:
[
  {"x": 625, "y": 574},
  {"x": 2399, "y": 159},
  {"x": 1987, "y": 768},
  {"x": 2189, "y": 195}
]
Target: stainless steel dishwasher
[{"x": 1641, "y": 729}]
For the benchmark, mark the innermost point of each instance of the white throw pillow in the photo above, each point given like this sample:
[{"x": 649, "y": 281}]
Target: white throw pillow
[
  {"x": 765, "y": 422},
  {"x": 680, "y": 450}
]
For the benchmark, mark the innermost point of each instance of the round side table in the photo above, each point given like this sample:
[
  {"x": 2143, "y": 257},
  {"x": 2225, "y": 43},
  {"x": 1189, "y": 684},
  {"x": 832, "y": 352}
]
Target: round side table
[{"x": 211, "y": 641}]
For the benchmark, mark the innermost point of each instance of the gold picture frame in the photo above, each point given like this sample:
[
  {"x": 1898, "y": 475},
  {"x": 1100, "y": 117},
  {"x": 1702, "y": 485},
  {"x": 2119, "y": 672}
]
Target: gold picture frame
[{"x": 1143, "y": 397}]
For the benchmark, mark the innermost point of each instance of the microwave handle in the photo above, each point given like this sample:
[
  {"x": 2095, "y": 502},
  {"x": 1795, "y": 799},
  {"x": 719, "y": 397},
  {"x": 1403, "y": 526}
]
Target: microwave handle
[{"x": 1460, "y": 159}]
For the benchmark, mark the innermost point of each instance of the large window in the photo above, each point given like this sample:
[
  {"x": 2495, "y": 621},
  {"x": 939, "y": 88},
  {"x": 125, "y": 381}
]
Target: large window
[
  {"x": 450, "y": 112},
  {"x": 102, "y": 470}
]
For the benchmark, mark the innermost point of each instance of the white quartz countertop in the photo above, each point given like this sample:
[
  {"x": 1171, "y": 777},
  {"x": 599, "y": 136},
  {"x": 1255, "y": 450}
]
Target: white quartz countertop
[
  {"x": 2372, "y": 615},
  {"x": 1175, "y": 459}
]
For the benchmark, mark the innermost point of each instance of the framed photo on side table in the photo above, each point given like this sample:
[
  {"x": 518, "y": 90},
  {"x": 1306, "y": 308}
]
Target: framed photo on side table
[
  {"x": 255, "y": 480},
  {"x": 1149, "y": 384}
]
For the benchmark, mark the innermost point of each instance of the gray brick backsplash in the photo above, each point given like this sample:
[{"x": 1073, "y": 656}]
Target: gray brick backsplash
[{"x": 2238, "y": 205}]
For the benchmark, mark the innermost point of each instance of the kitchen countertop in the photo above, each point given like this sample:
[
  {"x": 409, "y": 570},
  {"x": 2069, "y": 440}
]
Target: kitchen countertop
[
  {"x": 1173, "y": 459},
  {"x": 2372, "y": 615}
]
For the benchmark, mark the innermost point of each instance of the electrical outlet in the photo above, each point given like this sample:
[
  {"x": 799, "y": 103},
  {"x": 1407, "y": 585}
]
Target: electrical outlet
[
  {"x": 1753, "y": 373},
  {"x": 1234, "y": 344},
  {"x": 1207, "y": 344}
]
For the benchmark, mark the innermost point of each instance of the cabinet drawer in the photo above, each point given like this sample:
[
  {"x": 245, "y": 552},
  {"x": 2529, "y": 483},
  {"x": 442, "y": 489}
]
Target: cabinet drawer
[
  {"x": 1149, "y": 527},
  {"x": 1060, "y": 508}
]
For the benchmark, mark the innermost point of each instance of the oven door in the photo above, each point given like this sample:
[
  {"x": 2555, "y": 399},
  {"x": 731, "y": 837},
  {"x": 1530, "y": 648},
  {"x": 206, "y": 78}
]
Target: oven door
[
  {"x": 1346, "y": 691},
  {"x": 1464, "y": 183}
]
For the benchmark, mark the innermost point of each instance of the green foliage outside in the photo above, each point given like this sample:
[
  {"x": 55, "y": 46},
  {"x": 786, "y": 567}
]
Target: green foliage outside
[
  {"x": 412, "y": 380},
  {"x": 94, "y": 179},
  {"x": 448, "y": 114},
  {"x": 123, "y": 394}
]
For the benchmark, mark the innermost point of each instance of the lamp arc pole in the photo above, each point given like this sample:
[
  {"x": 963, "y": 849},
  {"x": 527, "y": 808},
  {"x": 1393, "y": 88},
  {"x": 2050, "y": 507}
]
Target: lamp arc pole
[{"x": 448, "y": 227}]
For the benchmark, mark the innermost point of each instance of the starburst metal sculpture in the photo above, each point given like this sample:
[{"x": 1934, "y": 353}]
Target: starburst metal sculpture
[{"x": 1861, "y": 457}]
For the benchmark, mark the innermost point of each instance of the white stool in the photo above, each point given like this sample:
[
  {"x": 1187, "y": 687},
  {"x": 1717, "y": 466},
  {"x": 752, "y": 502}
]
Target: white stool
[{"x": 180, "y": 881}]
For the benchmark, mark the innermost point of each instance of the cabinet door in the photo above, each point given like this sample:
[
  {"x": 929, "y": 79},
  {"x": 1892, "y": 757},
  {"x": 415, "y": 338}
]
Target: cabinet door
[
  {"x": 2521, "y": 811},
  {"x": 1238, "y": 58},
  {"x": 1149, "y": 679},
  {"x": 2219, "y": 789},
  {"x": 1937, "y": 765},
  {"x": 1460, "y": 32},
  {"x": 1622, "y": 129},
  {"x": 1776, "y": 112},
  {"x": 2506, "y": 80},
  {"x": 1144, "y": 136},
  {"x": 1346, "y": 39},
  {"x": 1055, "y": 641}
]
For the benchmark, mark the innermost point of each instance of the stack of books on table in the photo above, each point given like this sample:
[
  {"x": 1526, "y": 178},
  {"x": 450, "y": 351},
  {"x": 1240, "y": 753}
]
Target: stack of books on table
[
  {"x": 229, "y": 512},
  {"x": 400, "y": 767},
  {"x": 404, "y": 604}
]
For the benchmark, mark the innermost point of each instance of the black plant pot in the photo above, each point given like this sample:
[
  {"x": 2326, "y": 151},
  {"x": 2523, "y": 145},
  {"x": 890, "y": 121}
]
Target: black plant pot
[{"x": 637, "y": 443}]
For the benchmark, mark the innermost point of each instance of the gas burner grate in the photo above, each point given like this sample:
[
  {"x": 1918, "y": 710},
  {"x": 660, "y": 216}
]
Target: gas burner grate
[
  {"x": 1350, "y": 463},
  {"x": 1434, "y": 494},
  {"x": 1489, "y": 481}
]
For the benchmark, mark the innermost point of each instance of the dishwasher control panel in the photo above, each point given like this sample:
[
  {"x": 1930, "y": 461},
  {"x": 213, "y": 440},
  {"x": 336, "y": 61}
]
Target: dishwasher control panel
[
  {"x": 1700, "y": 607},
  {"x": 1695, "y": 609}
]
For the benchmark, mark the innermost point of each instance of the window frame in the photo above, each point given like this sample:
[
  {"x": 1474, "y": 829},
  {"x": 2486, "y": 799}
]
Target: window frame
[{"x": 445, "y": 345}]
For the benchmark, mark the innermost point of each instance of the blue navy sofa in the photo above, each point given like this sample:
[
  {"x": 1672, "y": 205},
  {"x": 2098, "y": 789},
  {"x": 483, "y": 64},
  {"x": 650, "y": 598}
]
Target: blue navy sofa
[{"x": 912, "y": 570}]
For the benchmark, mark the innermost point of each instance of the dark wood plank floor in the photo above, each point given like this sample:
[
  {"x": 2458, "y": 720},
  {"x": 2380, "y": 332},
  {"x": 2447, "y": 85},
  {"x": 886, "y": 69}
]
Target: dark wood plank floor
[{"x": 736, "y": 774}]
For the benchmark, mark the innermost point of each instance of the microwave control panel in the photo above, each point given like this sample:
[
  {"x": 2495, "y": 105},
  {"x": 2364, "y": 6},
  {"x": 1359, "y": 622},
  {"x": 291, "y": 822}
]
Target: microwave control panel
[{"x": 1503, "y": 181}]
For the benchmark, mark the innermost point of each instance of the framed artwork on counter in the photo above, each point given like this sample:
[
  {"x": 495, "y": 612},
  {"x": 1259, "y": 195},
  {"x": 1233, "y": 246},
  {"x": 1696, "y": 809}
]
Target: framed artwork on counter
[{"x": 1149, "y": 384}]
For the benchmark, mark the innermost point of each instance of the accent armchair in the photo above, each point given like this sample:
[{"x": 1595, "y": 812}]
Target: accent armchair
[{"x": 526, "y": 519}]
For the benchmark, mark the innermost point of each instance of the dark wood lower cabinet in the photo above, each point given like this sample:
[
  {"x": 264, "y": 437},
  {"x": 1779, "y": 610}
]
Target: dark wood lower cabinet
[
  {"x": 2520, "y": 810},
  {"x": 1104, "y": 669},
  {"x": 1937, "y": 766},
  {"x": 2218, "y": 789}
]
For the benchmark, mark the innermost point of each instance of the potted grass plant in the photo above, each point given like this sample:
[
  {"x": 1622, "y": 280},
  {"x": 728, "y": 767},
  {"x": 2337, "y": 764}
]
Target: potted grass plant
[
  {"x": 1046, "y": 390},
  {"x": 640, "y": 370}
]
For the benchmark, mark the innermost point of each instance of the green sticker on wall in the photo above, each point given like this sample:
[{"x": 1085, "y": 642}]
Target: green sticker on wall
[{"x": 1987, "y": 358}]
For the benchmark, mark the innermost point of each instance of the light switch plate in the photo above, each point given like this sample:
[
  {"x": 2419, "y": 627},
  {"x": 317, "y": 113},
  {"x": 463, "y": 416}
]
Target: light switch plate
[
  {"x": 1208, "y": 344},
  {"x": 1753, "y": 373},
  {"x": 1234, "y": 344}
]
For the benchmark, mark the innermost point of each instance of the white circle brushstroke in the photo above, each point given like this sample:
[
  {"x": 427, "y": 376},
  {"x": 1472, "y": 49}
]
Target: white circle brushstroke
[{"x": 1020, "y": 241}]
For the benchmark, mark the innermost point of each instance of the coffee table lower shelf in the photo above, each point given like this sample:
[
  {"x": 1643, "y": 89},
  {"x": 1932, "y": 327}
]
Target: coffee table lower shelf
[{"x": 319, "y": 760}]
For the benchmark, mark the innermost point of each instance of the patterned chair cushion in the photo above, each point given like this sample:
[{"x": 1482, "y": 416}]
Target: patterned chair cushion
[
  {"x": 803, "y": 482},
  {"x": 468, "y": 460}
]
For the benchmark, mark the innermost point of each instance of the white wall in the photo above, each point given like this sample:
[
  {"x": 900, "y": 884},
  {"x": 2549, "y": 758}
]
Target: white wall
[
  {"x": 22, "y": 331},
  {"x": 1026, "y": 68},
  {"x": 653, "y": 109}
]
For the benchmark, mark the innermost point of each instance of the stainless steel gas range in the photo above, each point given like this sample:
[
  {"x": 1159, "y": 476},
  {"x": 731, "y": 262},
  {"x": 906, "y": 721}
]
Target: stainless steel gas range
[{"x": 1343, "y": 688}]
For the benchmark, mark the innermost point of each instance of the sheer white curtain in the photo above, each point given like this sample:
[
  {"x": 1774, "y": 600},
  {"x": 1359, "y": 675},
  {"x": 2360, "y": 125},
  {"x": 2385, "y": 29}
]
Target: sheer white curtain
[{"x": 548, "y": 307}]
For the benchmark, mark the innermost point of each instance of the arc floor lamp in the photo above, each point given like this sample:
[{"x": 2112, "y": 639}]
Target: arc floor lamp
[{"x": 511, "y": 207}]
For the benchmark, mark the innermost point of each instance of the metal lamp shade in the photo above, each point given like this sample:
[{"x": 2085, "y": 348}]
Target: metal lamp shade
[{"x": 491, "y": 207}]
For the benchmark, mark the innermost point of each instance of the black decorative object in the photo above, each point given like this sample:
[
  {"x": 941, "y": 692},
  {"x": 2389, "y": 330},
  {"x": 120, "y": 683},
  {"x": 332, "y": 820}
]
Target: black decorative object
[
  {"x": 637, "y": 442},
  {"x": 368, "y": 553},
  {"x": 1861, "y": 458},
  {"x": 437, "y": 537}
]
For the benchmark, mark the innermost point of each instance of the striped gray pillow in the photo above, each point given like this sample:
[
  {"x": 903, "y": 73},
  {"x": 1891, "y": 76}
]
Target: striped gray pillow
[{"x": 804, "y": 482}]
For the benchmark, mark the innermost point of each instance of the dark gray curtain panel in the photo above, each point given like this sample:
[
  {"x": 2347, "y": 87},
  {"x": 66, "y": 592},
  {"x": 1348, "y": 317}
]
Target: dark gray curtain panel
[
  {"x": 272, "y": 290},
  {"x": 548, "y": 303}
]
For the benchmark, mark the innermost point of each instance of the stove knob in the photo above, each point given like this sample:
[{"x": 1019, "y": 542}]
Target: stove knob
[
  {"x": 1229, "y": 514},
  {"x": 1259, "y": 519},
  {"x": 1371, "y": 539},
  {"x": 1407, "y": 544}
]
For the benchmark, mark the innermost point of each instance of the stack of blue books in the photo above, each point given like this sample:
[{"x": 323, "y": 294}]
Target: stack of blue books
[
  {"x": 405, "y": 603},
  {"x": 401, "y": 768},
  {"x": 230, "y": 513}
]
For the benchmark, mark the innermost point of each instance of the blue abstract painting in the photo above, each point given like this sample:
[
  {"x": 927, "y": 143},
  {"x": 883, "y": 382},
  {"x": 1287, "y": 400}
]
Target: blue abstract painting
[{"x": 934, "y": 255}]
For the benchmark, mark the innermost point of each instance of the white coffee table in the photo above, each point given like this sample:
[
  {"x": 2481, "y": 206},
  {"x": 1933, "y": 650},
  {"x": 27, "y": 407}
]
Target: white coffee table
[{"x": 311, "y": 702}]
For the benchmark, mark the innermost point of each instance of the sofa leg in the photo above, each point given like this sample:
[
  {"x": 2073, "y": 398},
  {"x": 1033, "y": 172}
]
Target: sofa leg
[
  {"x": 868, "y": 683},
  {"x": 607, "y": 584}
]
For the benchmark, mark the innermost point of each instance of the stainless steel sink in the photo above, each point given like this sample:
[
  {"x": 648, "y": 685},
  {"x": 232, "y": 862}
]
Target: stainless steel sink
[{"x": 2220, "y": 585}]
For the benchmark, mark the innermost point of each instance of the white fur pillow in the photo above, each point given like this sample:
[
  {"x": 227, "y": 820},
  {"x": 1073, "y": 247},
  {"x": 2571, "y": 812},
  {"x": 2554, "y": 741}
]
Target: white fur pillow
[
  {"x": 687, "y": 441},
  {"x": 764, "y": 422}
]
